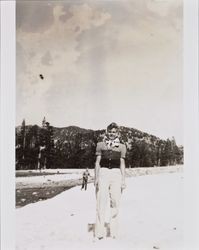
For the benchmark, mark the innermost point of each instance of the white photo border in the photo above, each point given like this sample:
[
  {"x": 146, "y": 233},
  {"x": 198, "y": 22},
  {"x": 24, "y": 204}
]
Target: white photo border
[
  {"x": 7, "y": 121},
  {"x": 191, "y": 125}
]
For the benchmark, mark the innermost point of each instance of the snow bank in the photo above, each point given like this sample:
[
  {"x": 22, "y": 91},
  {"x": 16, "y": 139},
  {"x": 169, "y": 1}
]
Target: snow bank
[
  {"x": 153, "y": 170},
  {"x": 47, "y": 178},
  {"x": 75, "y": 174},
  {"x": 151, "y": 217}
]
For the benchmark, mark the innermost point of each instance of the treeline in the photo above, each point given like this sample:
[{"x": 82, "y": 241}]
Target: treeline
[{"x": 73, "y": 147}]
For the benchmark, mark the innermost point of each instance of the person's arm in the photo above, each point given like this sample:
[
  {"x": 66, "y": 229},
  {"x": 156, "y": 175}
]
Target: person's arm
[
  {"x": 97, "y": 167},
  {"x": 122, "y": 165},
  {"x": 122, "y": 168},
  {"x": 97, "y": 162}
]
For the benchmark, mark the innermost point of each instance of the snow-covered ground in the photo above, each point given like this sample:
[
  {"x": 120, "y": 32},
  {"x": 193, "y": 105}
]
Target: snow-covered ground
[{"x": 151, "y": 217}]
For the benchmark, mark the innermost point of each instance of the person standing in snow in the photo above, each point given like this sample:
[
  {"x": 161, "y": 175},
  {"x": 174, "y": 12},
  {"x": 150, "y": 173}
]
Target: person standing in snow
[
  {"x": 86, "y": 174},
  {"x": 109, "y": 179}
]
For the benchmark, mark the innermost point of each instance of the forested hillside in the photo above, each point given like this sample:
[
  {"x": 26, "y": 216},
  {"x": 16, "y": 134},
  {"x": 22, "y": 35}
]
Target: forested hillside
[{"x": 45, "y": 146}]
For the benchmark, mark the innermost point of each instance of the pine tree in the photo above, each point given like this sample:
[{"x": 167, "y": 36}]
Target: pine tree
[
  {"x": 23, "y": 134},
  {"x": 167, "y": 154}
]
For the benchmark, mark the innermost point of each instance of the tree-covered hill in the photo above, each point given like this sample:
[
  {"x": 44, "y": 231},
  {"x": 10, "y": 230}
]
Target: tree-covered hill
[{"x": 74, "y": 147}]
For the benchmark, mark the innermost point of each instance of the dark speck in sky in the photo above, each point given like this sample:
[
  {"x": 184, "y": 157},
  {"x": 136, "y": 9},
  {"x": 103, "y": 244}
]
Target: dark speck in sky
[{"x": 41, "y": 76}]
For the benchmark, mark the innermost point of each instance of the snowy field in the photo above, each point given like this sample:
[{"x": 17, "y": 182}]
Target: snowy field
[{"x": 151, "y": 217}]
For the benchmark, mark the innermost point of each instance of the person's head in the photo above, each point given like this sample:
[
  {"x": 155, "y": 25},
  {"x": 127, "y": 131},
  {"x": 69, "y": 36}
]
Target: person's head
[{"x": 112, "y": 131}]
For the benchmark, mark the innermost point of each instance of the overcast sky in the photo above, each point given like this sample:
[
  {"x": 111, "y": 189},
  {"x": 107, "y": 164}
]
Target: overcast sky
[{"x": 102, "y": 61}]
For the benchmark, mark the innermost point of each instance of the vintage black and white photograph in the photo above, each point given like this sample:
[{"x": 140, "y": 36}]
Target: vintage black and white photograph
[{"x": 99, "y": 125}]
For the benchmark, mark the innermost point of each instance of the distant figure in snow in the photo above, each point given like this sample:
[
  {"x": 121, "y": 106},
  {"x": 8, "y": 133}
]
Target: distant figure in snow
[
  {"x": 85, "y": 176},
  {"x": 109, "y": 180}
]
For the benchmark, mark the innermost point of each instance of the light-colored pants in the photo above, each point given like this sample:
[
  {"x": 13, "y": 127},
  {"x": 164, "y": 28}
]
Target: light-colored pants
[{"x": 109, "y": 190}]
